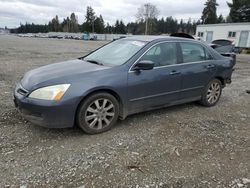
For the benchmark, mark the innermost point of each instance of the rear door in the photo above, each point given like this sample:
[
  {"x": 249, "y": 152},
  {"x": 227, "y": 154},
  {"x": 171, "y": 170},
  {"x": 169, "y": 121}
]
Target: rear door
[
  {"x": 159, "y": 86},
  {"x": 197, "y": 69}
]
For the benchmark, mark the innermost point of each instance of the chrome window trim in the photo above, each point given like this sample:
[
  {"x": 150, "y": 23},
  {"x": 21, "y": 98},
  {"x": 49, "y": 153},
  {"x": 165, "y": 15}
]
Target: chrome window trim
[{"x": 178, "y": 64}]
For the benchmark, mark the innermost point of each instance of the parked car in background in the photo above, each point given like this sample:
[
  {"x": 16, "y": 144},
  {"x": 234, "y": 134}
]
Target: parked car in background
[
  {"x": 93, "y": 37},
  {"x": 182, "y": 35},
  {"x": 124, "y": 77},
  {"x": 225, "y": 48},
  {"x": 85, "y": 36}
]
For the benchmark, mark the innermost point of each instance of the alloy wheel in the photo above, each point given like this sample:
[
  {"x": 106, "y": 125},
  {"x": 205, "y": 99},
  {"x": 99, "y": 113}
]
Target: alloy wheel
[
  {"x": 99, "y": 114},
  {"x": 213, "y": 92}
]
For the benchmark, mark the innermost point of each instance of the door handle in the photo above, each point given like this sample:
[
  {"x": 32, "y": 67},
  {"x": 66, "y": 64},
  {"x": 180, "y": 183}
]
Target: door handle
[
  {"x": 210, "y": 66},
  {"x": 174, "y": 72}
]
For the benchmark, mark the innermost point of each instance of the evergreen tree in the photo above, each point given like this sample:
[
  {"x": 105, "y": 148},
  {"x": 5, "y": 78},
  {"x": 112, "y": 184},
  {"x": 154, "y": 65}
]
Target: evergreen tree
[
  {"x": 102, "y": 24},
  {"x": 122, "y": 27},
  {"x": 31, "y": 28},
  {"x": 189, "y": 27},
  {"x": 221, "y": 19},
  {"x": 108, "y": 29},
  {"x": 239, "y": 11},
  {"x": 117, "y": 27},
  {"x": 181, "y": 27},
  {"x": 66, "y": 25},
  {"x": 209, "y": 15},
  {"x": 90, "y": 18},
  {"x": 161, "y": 26},
  {"x": 54, "y": 24},
  {"x": 171, "y": 25},
  {"x": 73, "y": 23},
  {"x": 99, "y": 24}
]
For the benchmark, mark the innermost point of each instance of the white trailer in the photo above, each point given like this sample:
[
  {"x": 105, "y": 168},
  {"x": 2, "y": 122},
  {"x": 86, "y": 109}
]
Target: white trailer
[{"x": 239, "y": 33}]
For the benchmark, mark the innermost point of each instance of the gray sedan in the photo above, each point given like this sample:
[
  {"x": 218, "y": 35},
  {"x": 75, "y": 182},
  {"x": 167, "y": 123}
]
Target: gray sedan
[{"x": 124, "y": 77}]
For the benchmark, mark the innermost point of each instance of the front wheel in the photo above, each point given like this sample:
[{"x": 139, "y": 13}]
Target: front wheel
[
  {"x": 212, "y": 93},
  {"x": 98, "y": 113}
]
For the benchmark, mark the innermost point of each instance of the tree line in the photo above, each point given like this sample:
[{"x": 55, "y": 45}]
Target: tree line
[{"x": 147, "y": 21}]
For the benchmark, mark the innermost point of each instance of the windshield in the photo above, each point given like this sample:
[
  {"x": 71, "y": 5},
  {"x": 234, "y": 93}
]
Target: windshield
[{"x": 116, "y": 53}]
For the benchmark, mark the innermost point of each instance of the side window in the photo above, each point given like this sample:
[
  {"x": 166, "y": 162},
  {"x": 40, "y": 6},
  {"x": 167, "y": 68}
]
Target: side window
[
  {"x": 162, "y": 54},
  {"x": 156, "y": 50},
  {"x": 192, "y": 52}
]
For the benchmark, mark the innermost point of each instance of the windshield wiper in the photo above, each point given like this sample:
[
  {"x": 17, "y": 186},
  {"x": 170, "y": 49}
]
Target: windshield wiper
[{"x": 94, "y": 61}]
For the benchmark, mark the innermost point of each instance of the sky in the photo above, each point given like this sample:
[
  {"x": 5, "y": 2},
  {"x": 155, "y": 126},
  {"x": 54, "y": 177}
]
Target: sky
[{"x": 14, "y": 12}]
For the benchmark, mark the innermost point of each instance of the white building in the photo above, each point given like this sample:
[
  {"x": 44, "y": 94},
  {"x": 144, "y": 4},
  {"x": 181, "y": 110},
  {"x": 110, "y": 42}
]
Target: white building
[{"x": 239, "y": 33}]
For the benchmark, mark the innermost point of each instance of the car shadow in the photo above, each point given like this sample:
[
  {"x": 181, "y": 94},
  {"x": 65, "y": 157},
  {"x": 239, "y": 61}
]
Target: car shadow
[{"x": 157, "y": 112}]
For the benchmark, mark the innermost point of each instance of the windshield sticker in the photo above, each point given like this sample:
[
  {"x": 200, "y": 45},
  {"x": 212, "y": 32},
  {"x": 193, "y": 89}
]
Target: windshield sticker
[{"x": 138, "y": 43}]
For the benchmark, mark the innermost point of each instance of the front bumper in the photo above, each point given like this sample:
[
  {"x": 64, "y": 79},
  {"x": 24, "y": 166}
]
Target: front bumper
[{"x": 51, "y": 114}]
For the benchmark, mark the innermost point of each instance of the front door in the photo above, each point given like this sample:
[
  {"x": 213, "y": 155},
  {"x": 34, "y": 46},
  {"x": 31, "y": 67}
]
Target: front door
[
  {"x": 161, "y": 85},
  {"x": 243, "y": 38}
]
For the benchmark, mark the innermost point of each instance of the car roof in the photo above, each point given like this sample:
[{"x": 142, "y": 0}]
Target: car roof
[
  {"x": 149, "y": 38},
  {"x": 156, "y": 39}
]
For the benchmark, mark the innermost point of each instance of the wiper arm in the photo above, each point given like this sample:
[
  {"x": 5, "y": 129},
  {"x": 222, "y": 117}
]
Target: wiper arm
[{"x": 94, "y": 61}]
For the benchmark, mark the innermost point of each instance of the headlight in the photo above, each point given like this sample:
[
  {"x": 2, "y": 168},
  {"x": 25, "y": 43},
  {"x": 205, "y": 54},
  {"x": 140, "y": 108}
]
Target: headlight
[{"x": 50, "y": 93}]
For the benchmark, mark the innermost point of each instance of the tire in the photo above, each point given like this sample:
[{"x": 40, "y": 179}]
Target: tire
[
  {"x": 211, "y": 93},
  {"x": 97, "y": 113}
]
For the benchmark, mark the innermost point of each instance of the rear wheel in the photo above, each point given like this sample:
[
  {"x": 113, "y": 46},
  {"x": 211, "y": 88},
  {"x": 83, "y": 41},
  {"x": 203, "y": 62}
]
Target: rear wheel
[
  {"x": 212, "y": 93},
  {"x": 98, "y": 113}
]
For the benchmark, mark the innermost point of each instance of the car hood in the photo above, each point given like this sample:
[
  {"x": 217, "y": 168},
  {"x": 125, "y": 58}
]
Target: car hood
[{"x": 56, "y": 72}]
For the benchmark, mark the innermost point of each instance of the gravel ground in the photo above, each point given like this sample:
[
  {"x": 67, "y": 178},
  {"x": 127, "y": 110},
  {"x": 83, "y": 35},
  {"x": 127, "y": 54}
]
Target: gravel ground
[{"x": 182, "y": 146}]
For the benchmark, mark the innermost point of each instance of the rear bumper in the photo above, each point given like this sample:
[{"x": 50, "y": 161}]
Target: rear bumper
[
  {"x": 232, "y": 55},
  {"x": 51, "y": 114}
]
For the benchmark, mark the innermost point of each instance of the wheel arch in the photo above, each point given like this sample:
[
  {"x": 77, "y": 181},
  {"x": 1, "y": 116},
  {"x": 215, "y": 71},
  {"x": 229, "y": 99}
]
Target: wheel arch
[
  {"x": 222, "y": 80},
  {"x": 104, "y": 90}
]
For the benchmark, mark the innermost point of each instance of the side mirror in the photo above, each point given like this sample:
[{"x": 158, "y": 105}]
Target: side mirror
[{"x": 144, "y": 65}]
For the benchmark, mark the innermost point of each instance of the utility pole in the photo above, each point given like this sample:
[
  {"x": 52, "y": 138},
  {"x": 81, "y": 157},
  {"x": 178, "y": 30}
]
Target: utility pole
[{"x": 146, "y": 17}]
